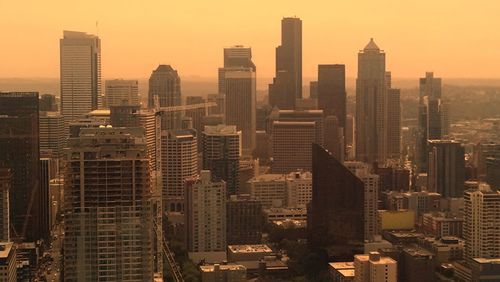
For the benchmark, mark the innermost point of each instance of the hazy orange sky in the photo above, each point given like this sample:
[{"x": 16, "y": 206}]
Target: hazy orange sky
[{"x": 452, "y": 38}]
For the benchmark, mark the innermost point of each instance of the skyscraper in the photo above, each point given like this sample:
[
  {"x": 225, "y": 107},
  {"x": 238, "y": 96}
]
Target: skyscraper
[
  {"x": 221, "y": 154},
  {"x": 481, "y": 221},
  {"x": 179, "y": 161},
  {"x": 331, "y": 91},
  {"x": 52, "y": 133},
  {"x": 165, "y": 86},
  {"x": 110, "y": 229},
  {"x": 19, "y": 149},
  {"x": 287, "y": 83},
  {"x": 80, "y": 74},
  {"x": 371, "y": 115},
  {"x": 120, "y": 92},
  {"x": 393, "y": 123},
  {"x": 335, "y": 216},
  {"x": 446, "y": 168},
  {"x": 430, "y": 86},
  {"x": 237, "y": 56},
  {"x": 196, "y": 115},
  {"x": 240, "y": 104},
  {"x": 205, "y": 210},
  {"x": 244, "y": 220},
  {"x": 5, "y": 187}
]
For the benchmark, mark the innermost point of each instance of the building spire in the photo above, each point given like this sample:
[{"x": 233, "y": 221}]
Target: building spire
[{"x": 371, "y": 45}]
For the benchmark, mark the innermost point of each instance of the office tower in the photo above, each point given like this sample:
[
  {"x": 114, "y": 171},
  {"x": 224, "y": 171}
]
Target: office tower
[
  {"x": 196, "y": 115},
  {"x": 350, "y": 140},
  {"x": 373, "y": 267},
  {"x": 371, "y": 192},
  {"x": 393, "y": 123},
  {"x": 179, "y": 161},
  {"x": 124, "y": 116},
  {"x": 5, "y": 187},
  {"x": 49, "y": 168},
  {"x": 244, "y": 220},
  {"x": 298, "y": 189},
  {"x": 421, "y": 202},
  {"x": 205, "y": 210},
  {"x": 430, "y": 86},
  {"x": 80, "y": 74},
  {"x": 165, "y": 89},
  {"x": 371, "y": 118},
  {"x": 482, "y": 218},
  {"x": 313, "y": 89},
  {"x": 48, "y": 103},
  {"x": 493, "y": 172},
  {"x": 446, "y": 168},
  {"x": 335, "y": 217},
  {"x": 120, "y": 92},
  {"x": 331, "y": 91},
  {"x": 261, "y": 117},
  {"x": 221, "y": 154},
  {"x": 315, "y": 116},
  {"x": 334, "y": 137},
  {"x": 287, "y": 83},
  {"x": 291, "y": 145},
  {"x": 109, "y": 221},
  {"x": 483, "y": 151},
  {"x": 249, "y": 168},
  {"x": 52, "y": 133},
  {"x": 218, "y": 110},
  {"x": 237, "y": 56},
  {"x": 8, "y": 263},
  {"x": 240, "y": 104},
  {"x": 19, "y": 149}
]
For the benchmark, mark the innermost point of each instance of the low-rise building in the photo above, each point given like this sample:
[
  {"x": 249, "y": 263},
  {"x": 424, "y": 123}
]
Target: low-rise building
[
  {"x": 223, "y": 272},
  {"x": 373, "y": 267},
  {"x": 440, "y": 224},
  {"x": 8, "y": 265},
  {"x": 341, "y": 271}
]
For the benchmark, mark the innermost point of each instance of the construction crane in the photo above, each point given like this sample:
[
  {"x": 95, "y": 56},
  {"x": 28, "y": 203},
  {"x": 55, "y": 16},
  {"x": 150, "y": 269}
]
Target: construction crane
[
  {"x": 187, "y": 107},
  {"x": 169, "y": 255}
]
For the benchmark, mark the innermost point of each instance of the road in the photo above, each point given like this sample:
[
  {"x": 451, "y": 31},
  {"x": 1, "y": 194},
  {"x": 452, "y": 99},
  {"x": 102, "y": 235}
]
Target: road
[{"x": 55, "y": 252}]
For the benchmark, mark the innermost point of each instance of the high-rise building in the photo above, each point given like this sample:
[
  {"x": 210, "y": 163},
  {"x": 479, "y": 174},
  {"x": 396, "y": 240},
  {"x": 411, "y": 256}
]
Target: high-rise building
[
  {"x": 5, "y": 187},
  {"x": 8, "y": 263},
  {"x": 244, "y": 220},
  {"x": 48, "y": 103},
  {"x": 120, "y": 92},
  {"x": 331, "y": 92},
  {"x": 205, "y": 210},
  {"x": 430, "y": 86},
  {"x": 52, "y": 133},
  {"x": 291, "y": 145},
  {"x": 371, "y": 191},
  {"x": 80, "y": 74},
  {"x": 335, "y": 220},
  {"x": 221, "y": 154},
  {"x": 49, "y": 168},
  {"x": 110, "y": 229},
  {"x": 373, "y": 267},
  {"x": 237, "y": 56},
  {"x": 313, "y": 90},
  {"x": 287, "y": 83},
  {"x": 393, "y": 123},
  {"x": 493, "y": 172},
  {"x": 196, "y": 116},
  {"x": 19, "y": 150},
  {"x": 315, "y": 116},
  {"x": 371, "y": 113},
  {"x": 481, "y": 221},
  {"x": 179, "y": 161},
  {"x": 268, "y": 189},
  {"x": 446, "y": 168},
  {"x": 240, "y": 104},
  {"x": 334, "y": 137},
  {"x": 165, "y": 90}
]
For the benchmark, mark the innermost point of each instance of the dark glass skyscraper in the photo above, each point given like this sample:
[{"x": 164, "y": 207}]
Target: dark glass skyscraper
[
  {"x": 19, "y": 149},
  {"x": 336, "y": 213},
  {"x": 287, "y": 84},
  {"x": 331, "y": 91},
  {"x": 165, "y": 84}
]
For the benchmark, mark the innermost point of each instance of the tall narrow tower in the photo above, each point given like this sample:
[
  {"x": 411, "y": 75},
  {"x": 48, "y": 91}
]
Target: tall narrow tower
[
  {"x": 165, "y": 88},
  {"x": 80, "y": 58},
  {"x": 371, "y": 104},
  {"x": 287, "y": 83}
]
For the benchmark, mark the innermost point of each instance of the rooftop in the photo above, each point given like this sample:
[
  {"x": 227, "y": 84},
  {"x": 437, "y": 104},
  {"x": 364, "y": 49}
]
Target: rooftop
[
  {"x": 212, "y": 267},
  {"x": 5, "y": 248},
  {"x": 249, "y": 248}
]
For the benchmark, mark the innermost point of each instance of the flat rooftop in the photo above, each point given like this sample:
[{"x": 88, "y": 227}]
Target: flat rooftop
[
  {"x": 261, "y": 248},
  {"x": 211, "y": 268}
]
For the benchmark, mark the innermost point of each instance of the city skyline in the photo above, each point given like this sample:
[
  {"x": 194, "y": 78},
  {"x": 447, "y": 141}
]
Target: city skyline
[{"x": 430, "y": 46}]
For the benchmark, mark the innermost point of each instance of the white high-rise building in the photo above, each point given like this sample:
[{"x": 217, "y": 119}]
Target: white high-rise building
[
  {"x": 373, "y": 267},
  {"x": 80, "y": 58},
  {"x": 371, "y": 181},
  {"x": 481, "y": 221},
  {"x": 371, "y": 104},
  {"x": 120, "y": 92},
  {"x": 52, "y": 133},
  {"x": 205, "y": 211}
]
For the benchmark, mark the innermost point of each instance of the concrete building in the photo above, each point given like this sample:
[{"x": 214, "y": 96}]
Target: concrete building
[
  {"x": 165, "y": 91},
  {"x": 299, "y": 189},
  {"x": 341, "y": 271},
  {"x": 482, "y": 215},
  {"x": 417, "y": 264},
  {"x": 478, "y": 269},
  {"x": 80, "y": 70},
  {"x": 315, "y": 116},
  {"x": 110, "y": 223},
  {"x": 179, "y": 157},
  {"x": 446, "y": 168},
  {"x": 269, "y": 189},
  {"x": 197, "y": 116},
  {"x": 205, "y": 210},
  {"x": 48, "y": 103},
  {"x": 421, "y": 202},
  {"x": 396, "y": 220},
  {"x": 8, "y": 265},
  {"x": 373, "y": 267},
  {"x": 52, "y": 133},
  {"x": 440, "y": 224},
  {"x": 291, "y": 146},
  {"x": 371, "y": 105},
  {"x": 5, "y": 187},
  {"x": 244, "y": 220},
  {"x": 371, "y": 190},
  {"x": 287, "y": 83},
  {"x": 234, "y": 56},
  {"x": 120, "y": 92},
  {"x": 240, "y": 105},
  {"x": 274, "y": 214},
  {"x": 223, "y": 272},
  {"x": 313, "y": 89},
  {"x": 221, "y": 154}
]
